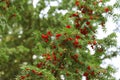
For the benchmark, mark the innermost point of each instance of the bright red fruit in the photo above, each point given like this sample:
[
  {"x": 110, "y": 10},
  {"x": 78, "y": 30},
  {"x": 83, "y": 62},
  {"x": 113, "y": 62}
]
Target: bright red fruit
[
  {"x": 49, "y": 33},
  {"x": 76, "y": 56},
  {"x": 22, "y": 77},
  {"x": 77, "y": 3},
  {"x": 54, "y": 56},
  {"x": 77, "y": 25},
  {"x": 58, "y": 35},
  {"x": 106, "y": 9},
  {"x": 85, "y": 74},
  {"x": 92, "y": 73},
  {"x": 34, "y": 71},
  {"x": 89, "y": 68},
  {"x": 83, "y": 11},
  {"x": 88, "y": 23},
  {"x": 48, "y": 57},
  {"x": 77, "y": 36},
  {"x": 54, "y": 47},
  {"x": 39, "y": 65},
  {"x": 69, "y": 39},
  {"x": 76, "y": 42},
  {"x": 46, "y": 40},
  {"x": 94, "y": 42},
  {"x": 61, "y": 54},
  {"x": 75, "y": 15},
  {"x": 68, "y": 26},
  {"x": 84, "y": 31},
  {"x": 91, "y": 17},
  {"x": 44, "y": 36}
]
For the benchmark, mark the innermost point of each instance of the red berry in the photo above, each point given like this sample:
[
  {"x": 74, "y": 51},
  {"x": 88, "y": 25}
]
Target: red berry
[
  {"x": 54, "y": 62},
  {"x": 54, "y": 57},
  {"x": 76, "y": 56},
  {"x": 61, "y": 54},
  {"x": 67, "y": 74},
  {"x": 92, "y": 73},
  {"x": 68, "y": 26},
  {"x": 34, "y": 71},
  {"x": 46, "y": 40},
  {"x": 84, "y": 31},
  {"x": 88, "y": 23},
  {"x": 75, "y": 15},
  {"x": 39, "y": 73},
  {"x": 77, "y": 36},
  {"x": 90, "y": 12},
  {"x": 48, "y": 57},
  {"x": 79, "y": 46},
  {"x": 22, "y": 77},
  {"x": 94, "y": 42},
  {"x": 89, "y": 68},
  {"x": 85, "y": 74},
  {"x": 69, "y": 39},
  {"x": 58, "y": 35},
  {"x": 83, "y": 11},
  {"x": 106, "y": 9},
  {"x": 91, "y": 17},
  {"x": 39, "y": 65},
  {"x": 76, "y": 70},
  {"x": 77, "y": 3},
  {"x": 54, "y": 47},
  {"x": 77, "y": 25},
  {"x": 76, "y": 42},
  {"x": 49, "y": 33},
  {"x": 44, "y": 36}
]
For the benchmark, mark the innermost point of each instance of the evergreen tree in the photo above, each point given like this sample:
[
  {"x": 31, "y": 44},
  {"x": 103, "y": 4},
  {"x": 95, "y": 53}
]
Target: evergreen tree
[{"x": 60, "y": 42}]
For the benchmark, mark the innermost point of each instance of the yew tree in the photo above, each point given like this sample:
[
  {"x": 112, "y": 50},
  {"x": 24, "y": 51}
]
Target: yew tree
[{"x": 55, "y": 46}]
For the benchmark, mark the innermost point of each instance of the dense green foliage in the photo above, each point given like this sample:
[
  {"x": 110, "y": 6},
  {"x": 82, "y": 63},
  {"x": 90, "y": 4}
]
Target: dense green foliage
[{"x": 58, "y": 41}]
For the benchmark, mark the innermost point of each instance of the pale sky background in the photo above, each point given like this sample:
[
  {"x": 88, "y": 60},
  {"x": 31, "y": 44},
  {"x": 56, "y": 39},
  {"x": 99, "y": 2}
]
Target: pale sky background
[{"x": 110, "y": 27}]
